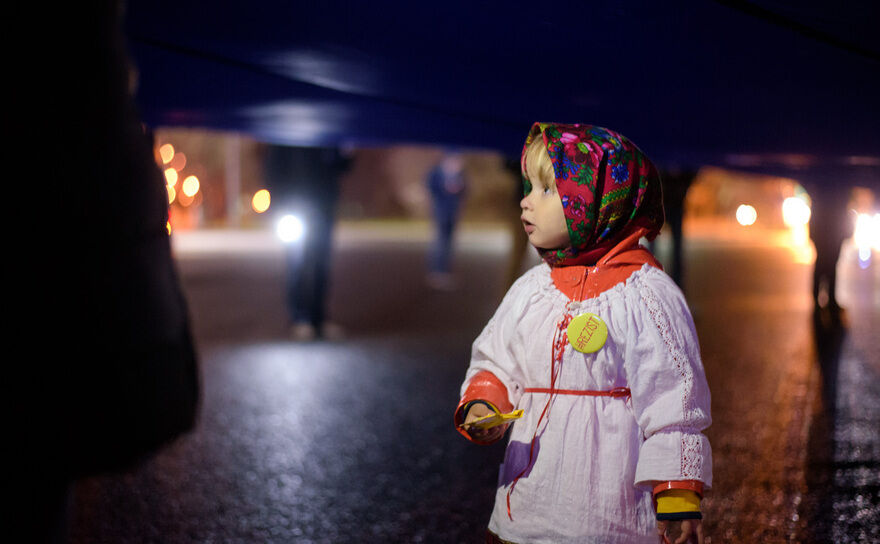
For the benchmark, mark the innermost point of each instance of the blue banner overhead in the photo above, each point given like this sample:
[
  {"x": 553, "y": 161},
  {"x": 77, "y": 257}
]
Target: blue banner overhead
[{"x": 775, "y": 86}]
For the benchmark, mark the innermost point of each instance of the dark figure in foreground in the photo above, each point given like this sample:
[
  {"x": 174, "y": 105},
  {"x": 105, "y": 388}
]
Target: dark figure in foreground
[
  {"x": 307, "y": 182},
  {"x": 446, "y": 184},
  {"x": 111, "y": 374}
]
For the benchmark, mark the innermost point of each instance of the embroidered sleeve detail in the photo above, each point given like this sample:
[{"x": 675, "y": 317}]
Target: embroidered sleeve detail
[
  {"x": 691, "y": 443},
  {"x": 691, "y": 455}
]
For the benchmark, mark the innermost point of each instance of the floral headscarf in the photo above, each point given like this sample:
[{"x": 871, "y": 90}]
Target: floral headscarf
[{"x": 609, "y": 189}]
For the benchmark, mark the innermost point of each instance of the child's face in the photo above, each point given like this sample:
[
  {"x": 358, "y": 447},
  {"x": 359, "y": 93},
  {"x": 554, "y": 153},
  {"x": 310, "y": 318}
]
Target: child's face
[{"x": 542, "y": 215}]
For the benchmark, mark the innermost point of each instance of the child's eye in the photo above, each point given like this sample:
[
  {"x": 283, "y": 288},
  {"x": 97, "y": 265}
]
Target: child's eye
[{"x": 548, "y": 190}]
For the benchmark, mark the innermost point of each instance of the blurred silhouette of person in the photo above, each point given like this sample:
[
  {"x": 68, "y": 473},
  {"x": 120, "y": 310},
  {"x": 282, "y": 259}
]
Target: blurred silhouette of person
[
  {"x": 112, "y": 374},
  {"x": 307, "y": 181},
  {"x": 447, "y": 186},
  {"x": 518, "y": 239},
  {"x": 675, "y": 182},
  {"x": 830, "y": 225}
]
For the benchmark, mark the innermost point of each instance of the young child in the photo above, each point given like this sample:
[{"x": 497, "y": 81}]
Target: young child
[{"x": 598, "y": 349}]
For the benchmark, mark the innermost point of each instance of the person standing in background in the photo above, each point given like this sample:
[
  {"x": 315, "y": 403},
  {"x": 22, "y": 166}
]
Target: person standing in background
[
  {"x": 447, "y": 186},
  {"x": 306, "y": 180},
  {"x": 830, "y": 225}
]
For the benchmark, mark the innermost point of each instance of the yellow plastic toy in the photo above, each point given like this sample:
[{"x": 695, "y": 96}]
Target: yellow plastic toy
[{"x": 493, "y": 420}]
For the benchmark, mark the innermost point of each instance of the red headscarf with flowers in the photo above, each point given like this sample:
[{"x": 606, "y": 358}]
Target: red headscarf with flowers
[{"x": 609, "y": 189}]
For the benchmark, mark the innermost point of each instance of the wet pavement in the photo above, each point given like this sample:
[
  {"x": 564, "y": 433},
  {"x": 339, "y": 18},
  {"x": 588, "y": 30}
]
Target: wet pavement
[{"x": 351, "y": 440}]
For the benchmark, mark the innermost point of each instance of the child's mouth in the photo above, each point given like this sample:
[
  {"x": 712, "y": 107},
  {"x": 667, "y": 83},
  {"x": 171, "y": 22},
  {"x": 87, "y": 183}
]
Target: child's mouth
[{"x": 528, "y": 226}]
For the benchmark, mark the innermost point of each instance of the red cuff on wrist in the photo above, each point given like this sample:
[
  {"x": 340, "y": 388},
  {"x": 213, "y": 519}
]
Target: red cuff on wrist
[
  {"x": 483, "y": 386},
  {"x": 691, "y": 485}
]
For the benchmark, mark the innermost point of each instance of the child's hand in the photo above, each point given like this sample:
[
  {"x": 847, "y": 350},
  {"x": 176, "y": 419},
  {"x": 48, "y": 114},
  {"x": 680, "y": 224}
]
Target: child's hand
[
  {"x": 483, "y": 435},
  {"x": 691, "y": 531}
]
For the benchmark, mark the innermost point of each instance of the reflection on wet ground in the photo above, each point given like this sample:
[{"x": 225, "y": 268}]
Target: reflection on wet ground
[
  {"x": 844, "y": 469},
  {"x": 352, "y": 440}
]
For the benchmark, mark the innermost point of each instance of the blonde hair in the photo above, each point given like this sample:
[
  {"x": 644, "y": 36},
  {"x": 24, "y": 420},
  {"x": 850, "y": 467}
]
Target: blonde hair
[{"x": 536, "y": 164}]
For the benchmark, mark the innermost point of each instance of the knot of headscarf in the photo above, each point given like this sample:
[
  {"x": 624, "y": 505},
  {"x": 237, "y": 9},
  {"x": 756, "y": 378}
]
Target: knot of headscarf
[{"x": 609, "y": 189}]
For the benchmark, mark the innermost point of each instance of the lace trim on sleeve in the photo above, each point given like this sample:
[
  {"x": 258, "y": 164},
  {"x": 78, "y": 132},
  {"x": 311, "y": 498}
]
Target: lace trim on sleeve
[{"x": 691, "y": 442}]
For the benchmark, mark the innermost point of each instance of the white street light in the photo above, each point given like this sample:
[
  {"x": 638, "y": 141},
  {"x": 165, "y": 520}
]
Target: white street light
[{"x": 290, "y": 228}]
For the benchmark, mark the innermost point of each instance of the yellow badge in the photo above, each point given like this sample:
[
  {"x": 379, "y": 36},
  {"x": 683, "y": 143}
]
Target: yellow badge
[{"x": 587, "y": 333}]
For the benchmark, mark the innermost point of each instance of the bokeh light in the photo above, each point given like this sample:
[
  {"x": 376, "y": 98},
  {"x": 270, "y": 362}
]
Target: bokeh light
[
  {"x": 290, "y": 228},
  {"x": 171, "y": 177},
  {"x": 172, "y": 194},
  {"x": 190, "y": 186},
  {"x": 795, "y": 212},
  {"x": 746, "y": 215},
  {"x": 261, "y": 201},
  {"x": 178, "y": 162},
  {"x": 866, "y": 236},
  {"x": 166, "y": 153}
]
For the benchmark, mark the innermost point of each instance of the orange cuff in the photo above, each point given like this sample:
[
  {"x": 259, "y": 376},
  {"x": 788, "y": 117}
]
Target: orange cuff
[
  {"x": 483, "y": 386},
  {"x": 689, "y": 485}
]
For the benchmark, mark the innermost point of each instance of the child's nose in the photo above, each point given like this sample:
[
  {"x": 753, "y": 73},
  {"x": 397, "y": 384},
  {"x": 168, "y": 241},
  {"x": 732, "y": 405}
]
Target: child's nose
[{"x": 525, "y": 203}]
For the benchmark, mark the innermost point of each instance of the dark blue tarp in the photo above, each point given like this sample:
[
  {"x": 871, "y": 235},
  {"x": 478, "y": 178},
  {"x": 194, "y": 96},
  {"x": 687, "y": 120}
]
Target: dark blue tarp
[{"x": 774, "y": 86}]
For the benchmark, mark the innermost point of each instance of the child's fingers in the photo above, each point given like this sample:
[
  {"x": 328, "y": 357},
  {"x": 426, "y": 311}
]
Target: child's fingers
[
  {"x": 476, "y": 412},
  {"x": 699, "y": 533},
  {"x": 662, "y": 525},
  {"x": 475, "y": 432},
  {"x": 685, "y": 536},
  {"x": 691, "y": 531},
  {"x": 486, "y": 435}
]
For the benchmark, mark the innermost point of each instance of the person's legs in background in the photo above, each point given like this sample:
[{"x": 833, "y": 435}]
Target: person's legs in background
[{"x": 440, "y": 273}]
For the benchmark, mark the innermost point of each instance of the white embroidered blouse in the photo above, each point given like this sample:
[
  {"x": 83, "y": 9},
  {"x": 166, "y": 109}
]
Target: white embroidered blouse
[{"x": 594, "y": 458}]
